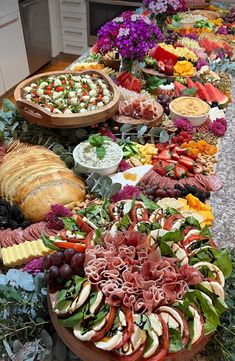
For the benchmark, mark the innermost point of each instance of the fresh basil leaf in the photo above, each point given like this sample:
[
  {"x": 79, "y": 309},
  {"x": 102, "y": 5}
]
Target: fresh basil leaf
[
  {"x": 149, "y": 204},
  {"x": 219, "y": 304},
  {"x": 100, "y": 152},
  {"x": 166, "y": 250},
  {"x": 206, "y": 232},
  {"x": 153, "y": 82},
  {"x": 175, "y": 236},
  {"x": 224, "y": 262},
  {"x": 125, "y": 222},
  {"x": 69, "y": 223},
  {"x": 176, "y": 342},
  {"x": 207, "y": 309},
  {"x": 172, "y": 211},
  {"x": 192, "y": 222},
  {"x": 144, "y": 227},
  {"x": 96, "y": 140},
  {"x": 98, "y": 235},
  {"x": 49, "y": 243}
]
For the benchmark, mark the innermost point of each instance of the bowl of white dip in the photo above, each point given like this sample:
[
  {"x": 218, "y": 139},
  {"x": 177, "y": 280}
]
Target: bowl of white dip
[{"x": 86, "y": 159}]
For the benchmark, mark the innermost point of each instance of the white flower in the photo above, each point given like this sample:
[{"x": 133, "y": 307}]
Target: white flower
[
  {"x": 123, "y": 32},
  {"x": 119, "y": 20},
  {"x": 135, "y": 17},
  {"x": 146, "y": 20}
]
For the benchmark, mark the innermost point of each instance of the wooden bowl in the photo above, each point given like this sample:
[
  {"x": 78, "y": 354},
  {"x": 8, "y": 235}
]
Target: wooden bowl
[
  {"x": 88, "y": 352},
  {"x": 36, "y": 114}
]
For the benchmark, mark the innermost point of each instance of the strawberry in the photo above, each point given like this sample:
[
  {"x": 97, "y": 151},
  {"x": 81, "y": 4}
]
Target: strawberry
[
  {"x": 161, "y": 65},
  {"x": 160, "y": 146},
  {"x": 181, "y": 151},
  {"x": 160, "y": 170},
  {"x": 188, "y": 164},
  {"x": 175, "y": 155},
  {"x": 164, "y": 154},
  {"x": 166, "y": 163},
  {"x": 171, "y": 146},
  {"x": 198, "y": 168},
  {"x": 180, "y": 171},
  {"x": 135, "y": 85},
  {"x": 126, "y": 84},
  {"x": 169, "y": 69}
]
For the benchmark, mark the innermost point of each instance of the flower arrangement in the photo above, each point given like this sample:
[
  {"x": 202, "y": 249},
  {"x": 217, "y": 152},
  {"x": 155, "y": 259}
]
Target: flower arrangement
[
  {"x": 165, "y": 6},
  {"x": 183, "y": 124},
  {"x": 131, "y": 34},
  {"x": 218, "y": 127}
]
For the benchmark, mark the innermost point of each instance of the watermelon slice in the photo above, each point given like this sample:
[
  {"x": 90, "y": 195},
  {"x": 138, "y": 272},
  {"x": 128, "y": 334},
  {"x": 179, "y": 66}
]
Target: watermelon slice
[
  {"x": 178, "y": 89},
  {"x": 216, "y": 95},
  {"x": 202, "y": 92},
  {"x": 161, "y": 54},
  {"x": 190, "y": 83},
  {"x": 135, "y": 85}
]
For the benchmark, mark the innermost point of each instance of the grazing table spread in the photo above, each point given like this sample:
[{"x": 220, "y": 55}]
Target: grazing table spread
[{"x": 116, "y": 195}]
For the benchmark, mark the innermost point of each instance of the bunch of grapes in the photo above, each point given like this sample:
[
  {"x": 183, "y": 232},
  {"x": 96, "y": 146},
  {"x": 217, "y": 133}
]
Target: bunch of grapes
[
  {"x": 164, "y": 100},
  {"x": 171, "y": 37},
  {"x": 155, "y": 193},
  {"x": 61, "y": 266}
]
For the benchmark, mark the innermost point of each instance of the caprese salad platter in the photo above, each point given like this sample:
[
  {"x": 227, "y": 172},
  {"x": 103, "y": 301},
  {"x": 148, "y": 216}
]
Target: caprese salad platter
[
  {"x": 148, "y": 283},
  {"x": 67, "y": 99}
]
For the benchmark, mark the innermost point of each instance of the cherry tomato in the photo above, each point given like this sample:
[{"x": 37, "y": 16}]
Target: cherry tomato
[
  {"x": 48, "y": 87},
  {"x": 101, "y": 333},
  {"x": 63, "y": 82},
  {"x": 36, "y": 99},
  {"x": 133, "y": 214},
  {"x": 100, "y": 97},
  {"x": 83, "y": 225},
  {"x": 48, "y": 92},
  {"x": 129, "y": 329},
  {"x": 59, "y": 88},
  {"x": 170, "y": 220}
]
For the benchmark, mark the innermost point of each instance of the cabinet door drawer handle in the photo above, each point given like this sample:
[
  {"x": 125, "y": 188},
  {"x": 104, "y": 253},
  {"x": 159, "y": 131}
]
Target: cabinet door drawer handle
[
  {"x": 71, "y": 3},
  {"x": 71, "y": 18},
  {"x": 8, "y": 23},
  {"x": 72, "y": 32},
  {"x": 74, "y": 46}
]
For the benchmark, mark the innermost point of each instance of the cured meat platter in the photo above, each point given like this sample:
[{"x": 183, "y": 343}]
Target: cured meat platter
[{"x": 36, "y": 114}]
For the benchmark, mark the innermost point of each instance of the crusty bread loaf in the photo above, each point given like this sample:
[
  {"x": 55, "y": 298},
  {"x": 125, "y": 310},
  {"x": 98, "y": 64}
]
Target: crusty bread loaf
[{"x": 35, "y": 178}]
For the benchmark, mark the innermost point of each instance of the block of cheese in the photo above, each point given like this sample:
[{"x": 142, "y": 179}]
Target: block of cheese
[{"x": 24, "y": 252}]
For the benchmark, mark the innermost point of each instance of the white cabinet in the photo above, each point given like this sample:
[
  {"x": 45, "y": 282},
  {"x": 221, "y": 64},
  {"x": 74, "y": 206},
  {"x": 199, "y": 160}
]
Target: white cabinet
[
  {"x": 55, "y": 26},
  {"x": 2, "y": 87},
  {"x": 13, "y": 58},
  {"x": 74, "y": 26}
]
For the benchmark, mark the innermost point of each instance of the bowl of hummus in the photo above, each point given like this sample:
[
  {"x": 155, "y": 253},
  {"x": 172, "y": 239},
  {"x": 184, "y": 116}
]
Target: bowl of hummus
[
  {"x": 87, "y": 158},
  {"x": 191, "y": 108}
]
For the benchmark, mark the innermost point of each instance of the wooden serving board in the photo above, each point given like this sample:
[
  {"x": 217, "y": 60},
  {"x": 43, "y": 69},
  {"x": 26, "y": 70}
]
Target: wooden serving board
[
  {"x": 36, "y": 114},
  {"x": 149, "y": 71},
  {"x": 88, "y": 352}
]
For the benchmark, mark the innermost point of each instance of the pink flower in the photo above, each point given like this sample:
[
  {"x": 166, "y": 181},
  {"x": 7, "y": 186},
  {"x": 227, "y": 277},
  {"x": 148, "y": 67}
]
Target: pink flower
[
  {"x": 183, "y": 124},
  {"x": 218, "y": 127},
  {"x": 52, "y": 217},
  {"x": 123, "y": 166},
  {"x": 106, "y": 132},
  {"x": 127, "y": 192}
]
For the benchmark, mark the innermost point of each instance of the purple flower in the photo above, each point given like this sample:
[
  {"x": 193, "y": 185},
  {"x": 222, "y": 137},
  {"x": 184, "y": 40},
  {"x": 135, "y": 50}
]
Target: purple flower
[
  {"x": 34, "y": 266},
  {"x": 52, "y": 217},
  {"x": 192, "y": 36},
  {"x": 127, "y": 192},
  {"x": 201, "y": 63},
  {"x": 218, "y": 127},
  {"x": 222, "y": 30},
  {"x": 123, "y": 166},
  {"x": 131, "y": 34},
  {"x": 165, "y": 6},
  {"x": 183, "y": 124}
]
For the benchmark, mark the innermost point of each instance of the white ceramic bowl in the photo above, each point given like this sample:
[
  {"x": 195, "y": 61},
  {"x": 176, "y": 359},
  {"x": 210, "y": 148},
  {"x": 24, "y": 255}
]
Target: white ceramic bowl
[
  {"x": 195, "y": 120},
  {"x": 108, "y": 170}
]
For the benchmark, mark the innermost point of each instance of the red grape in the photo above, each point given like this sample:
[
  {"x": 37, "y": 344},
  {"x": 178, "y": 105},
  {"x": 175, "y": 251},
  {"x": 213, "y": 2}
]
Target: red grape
[
  {"x": 68, "y": 254},
  {"x": 46, "y": 262},
  {"x": 57, "y": 258},
  {"x": 161, "y": 193},
  {"x": 78, "y": 260},
  {"x": 53, "y": 272},
  {"x": 66, "y": 271}
]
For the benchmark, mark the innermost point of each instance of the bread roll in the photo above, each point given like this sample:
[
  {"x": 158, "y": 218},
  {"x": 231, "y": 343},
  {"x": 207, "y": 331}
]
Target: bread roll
[{"x": 35, "y": 178}]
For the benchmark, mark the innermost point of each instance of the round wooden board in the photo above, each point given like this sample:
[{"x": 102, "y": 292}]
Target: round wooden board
[
  {"x": 87, "y": 351},
  {"x": 36, "y": 114},
  {"x": 122, "y": 119}
]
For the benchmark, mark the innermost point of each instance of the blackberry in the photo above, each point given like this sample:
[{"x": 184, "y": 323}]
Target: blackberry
[
  {"x": 25, "y": 224},
  {"x": 3, "y": 210},
  {"x": 214, "y": 104},
  {"x": 13, "y": 224},
  {"x": 20, "y": 218},
  {"x": 3, "y": 222},
  {"x": 15, "y": 211},
  {"x": 4, "y": 203}
]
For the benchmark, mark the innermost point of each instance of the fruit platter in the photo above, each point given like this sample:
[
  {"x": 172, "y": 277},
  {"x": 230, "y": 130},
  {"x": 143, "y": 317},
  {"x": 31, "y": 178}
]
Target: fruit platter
[{"x": 109, "y": 231}]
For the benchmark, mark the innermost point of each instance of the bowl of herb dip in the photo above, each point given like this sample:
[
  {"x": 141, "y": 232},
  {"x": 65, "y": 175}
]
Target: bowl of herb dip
[{"x": 98, "y": 154}]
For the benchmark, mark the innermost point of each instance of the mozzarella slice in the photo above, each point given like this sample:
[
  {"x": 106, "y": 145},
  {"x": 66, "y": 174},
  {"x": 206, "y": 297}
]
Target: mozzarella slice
[
  {"x": 154, "y": 344},
  {"x": 94, "y": 307},
  {"x": 216, "y": 271},
  {"x": 88, "y": 335},
  {"x": 108, "y": 343},
  {"x": 179, "y": 252},
  {"x": 83, "y": 295},
  {"x": 215, "y": 287},
  {"x": 172, "y": 318}
]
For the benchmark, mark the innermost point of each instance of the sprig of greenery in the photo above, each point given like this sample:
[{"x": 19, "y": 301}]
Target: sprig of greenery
[{"x": 97, "y": 141}]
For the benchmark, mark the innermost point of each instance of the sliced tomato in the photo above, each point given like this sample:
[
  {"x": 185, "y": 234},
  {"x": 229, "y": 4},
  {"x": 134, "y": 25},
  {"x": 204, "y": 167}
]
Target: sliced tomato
[
  {"x": 170, "y": 221},
  {"x": 83, "y": 225},
  {"x": 88, "y": 239},
  {"x": 79, "y": 247},
  {"x": 129, "y": 329},
  {"x": 193, "y": 237},
  {"x": 185, "y": 337},
  {"x": 111, "y": 211},
  {"x": 212, "y": 244},
  {"x": 101, "y": 333},
  {"x": 164, "y": 346},
  {"x": 187, "y": 230},
  {"x": 133, "y": 357},
  {"x": 133, "y": 215},
  {"x": 66, "y": 238}
]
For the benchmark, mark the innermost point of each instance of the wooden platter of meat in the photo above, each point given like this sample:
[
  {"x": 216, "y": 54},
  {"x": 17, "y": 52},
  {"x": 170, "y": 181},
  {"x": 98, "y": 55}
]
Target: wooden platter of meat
[
  {"x": 139, "y": 110},
  {"x": 67, "y": 99},
  {"x": 154, "y": 72}
]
